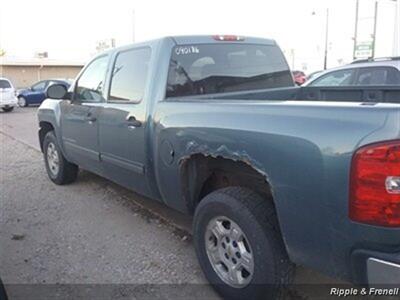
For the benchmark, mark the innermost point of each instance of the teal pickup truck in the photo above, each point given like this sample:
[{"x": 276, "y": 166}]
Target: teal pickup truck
[{"x": 275, "y": 175}]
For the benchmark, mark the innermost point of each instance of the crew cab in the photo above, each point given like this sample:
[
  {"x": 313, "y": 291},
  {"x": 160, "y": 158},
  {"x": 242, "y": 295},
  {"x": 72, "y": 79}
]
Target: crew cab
[{"x": 275, "y": 175}]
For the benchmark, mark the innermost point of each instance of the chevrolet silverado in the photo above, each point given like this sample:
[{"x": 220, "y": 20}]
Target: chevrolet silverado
[{"x": 275, "y": 175}]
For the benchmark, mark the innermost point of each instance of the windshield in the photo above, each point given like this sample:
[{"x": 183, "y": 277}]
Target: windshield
[
  {"x": 4, "y": 84},
  {"x": 219, "y": 68}
]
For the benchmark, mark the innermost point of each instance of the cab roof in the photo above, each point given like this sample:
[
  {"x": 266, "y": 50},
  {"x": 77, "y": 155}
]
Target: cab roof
[
  {"x": 207, "y": 39},
  {"x": 196, "y": 39}
]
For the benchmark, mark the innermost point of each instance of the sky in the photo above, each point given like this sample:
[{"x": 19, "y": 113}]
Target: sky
[{"x": 70, "y": 29}]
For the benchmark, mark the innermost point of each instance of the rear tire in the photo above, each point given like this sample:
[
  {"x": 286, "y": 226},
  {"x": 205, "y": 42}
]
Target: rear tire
[
  {"x": 270, "y": 268},
  {"x": 22, "y": 102},
  {"x": 59, "y": 170},
  {"x": 8, "y": 109},
  {"x": 3, "y": 294}
]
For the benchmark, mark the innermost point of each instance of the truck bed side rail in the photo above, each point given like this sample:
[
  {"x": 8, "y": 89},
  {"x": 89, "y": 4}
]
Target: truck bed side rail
[{"x": 388, "y": 94}]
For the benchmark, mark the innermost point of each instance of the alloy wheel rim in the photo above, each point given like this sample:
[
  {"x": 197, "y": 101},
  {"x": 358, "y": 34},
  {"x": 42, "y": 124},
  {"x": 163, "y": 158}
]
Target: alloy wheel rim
[
  {"x": 229, "y": 252},
  {"x": 52, "y": 158},
  {"x": 21, "y": 101}
]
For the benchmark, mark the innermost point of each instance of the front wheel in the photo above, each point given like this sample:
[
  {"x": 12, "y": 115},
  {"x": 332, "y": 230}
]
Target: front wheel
[
  {"x": 239, "y": 246},
  {"x": 59, "y": 170},
  {"x": 8, "y": 109},
  {"x": 22, "y": 102}
]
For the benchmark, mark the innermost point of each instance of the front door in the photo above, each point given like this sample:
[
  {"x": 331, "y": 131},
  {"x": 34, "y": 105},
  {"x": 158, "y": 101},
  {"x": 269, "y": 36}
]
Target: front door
[
  {"x": 122, "y": 121},
  {"x": 79, "y": 116},
  {"x": 37, "y": 93}
]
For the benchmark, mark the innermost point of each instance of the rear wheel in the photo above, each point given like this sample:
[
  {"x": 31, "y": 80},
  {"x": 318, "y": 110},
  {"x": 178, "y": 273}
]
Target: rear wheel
[
  {"x": 59, "y": 170},
  {"x": 22, "y": 102},
  {"x": 239, "y": 246},
  {"x": 3, "y": 294},
  {"x": 8, "y": 109}
]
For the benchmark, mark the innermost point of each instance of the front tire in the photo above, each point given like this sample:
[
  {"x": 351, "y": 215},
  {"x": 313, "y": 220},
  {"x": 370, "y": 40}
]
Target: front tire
[
  {"x": 8, "y": 109},
  {"x": 239, "y": 245},
  {"x": 59, "y": 170},
  {"x": 22, "y": 102}
]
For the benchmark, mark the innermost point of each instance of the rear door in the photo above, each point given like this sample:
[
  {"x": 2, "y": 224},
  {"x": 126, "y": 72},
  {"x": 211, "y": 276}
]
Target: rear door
[
  {"x": 79, "y": 117},
  {"x": 122, "y": 121}
]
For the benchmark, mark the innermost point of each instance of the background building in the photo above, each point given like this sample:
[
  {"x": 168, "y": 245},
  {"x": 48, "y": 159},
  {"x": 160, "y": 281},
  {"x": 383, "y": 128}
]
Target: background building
[{"x": 24, "y": 73}]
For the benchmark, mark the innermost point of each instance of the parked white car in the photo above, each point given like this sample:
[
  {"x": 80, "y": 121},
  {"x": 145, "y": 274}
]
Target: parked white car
[{"x": 7, "y": 95}]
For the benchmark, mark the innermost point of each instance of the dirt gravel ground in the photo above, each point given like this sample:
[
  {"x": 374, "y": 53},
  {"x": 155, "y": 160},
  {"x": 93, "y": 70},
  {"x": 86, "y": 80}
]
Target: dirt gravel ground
[{"x": 86, "y": 232}]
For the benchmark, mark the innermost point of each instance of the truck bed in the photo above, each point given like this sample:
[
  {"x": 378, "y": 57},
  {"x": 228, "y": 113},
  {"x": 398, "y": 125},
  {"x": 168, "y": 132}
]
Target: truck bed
[{"x": 304, "y": 148}]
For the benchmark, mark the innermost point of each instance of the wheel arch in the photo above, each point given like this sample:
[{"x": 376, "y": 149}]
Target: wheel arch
[
  {"x": 49, "y": 119},
  {"x": 44, "y": 128},
  {"x": 202, "y": 174}
]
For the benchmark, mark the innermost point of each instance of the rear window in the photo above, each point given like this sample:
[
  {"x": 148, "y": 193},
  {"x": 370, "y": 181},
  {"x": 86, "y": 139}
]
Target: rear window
[
  {"x": 4, "y": 84},
  {"x": 378, "y": 76},
  {"x": 212, "y": 68}
]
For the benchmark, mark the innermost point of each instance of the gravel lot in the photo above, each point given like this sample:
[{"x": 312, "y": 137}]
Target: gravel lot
[{"x": 90, "y": 232}]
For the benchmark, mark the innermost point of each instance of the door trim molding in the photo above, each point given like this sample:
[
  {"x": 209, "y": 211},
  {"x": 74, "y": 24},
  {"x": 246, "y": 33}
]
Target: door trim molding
[
  {"x": 94, "y": 155},
  {"x": 122, "y": 163}
]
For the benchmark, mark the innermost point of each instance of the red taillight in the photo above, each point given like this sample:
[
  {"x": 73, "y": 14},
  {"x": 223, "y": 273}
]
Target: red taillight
[
  {"x": 228, "y": 38},
  {"x": 375, "y": 185}
]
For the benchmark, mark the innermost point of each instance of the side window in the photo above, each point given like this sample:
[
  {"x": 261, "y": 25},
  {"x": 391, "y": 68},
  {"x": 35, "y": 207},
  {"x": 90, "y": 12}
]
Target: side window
[
  {"x": 129, "y": 75},
  {"x": 377, "y": 76},
  {"x": 90, "y": 84},
  {"x": 39, "y": 86},
  {"x": 336, "y": 78},
  {"x": 394, "y": 77}
]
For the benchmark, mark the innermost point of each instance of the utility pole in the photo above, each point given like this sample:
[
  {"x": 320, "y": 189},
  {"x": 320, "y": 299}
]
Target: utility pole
[
  {"x": 292, "y": 54},
  {"x": 396, "y": 38},
  {"x": 326, "y": 39},
  {"x": 374, "y": 34},
  {"x": 133, "y": 25},
  {"x": 356, "y": 29}
]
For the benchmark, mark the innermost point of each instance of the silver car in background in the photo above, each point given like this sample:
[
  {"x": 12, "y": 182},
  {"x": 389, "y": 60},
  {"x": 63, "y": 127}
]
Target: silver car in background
[{"x": 379, "y": 71}]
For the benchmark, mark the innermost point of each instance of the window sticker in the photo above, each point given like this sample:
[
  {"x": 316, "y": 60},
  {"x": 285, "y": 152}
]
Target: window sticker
[{"x": 184, "y": 50}]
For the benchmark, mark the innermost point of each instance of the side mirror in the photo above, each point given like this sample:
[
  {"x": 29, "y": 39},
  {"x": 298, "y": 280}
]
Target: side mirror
[{"x": 56, "y": 91}]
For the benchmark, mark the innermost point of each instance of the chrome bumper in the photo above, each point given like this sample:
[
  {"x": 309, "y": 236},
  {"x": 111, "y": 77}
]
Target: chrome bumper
[{"x": 383, "y": 272}]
